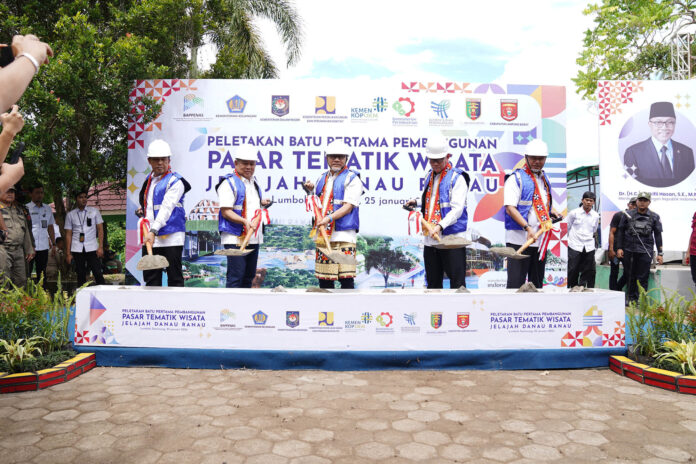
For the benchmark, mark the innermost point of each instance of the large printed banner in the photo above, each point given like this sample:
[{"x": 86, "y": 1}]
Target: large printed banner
[
  {"x": 408, "y": 320},
  {"x": 291, "y": 123},
  {"x": 629, "y": 158}
]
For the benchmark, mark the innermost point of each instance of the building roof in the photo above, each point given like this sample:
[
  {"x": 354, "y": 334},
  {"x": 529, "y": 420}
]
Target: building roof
[{"x": 108, "y": 197}]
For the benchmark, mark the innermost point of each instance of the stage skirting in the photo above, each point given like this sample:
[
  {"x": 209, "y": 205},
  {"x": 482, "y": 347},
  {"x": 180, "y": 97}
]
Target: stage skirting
[{"x": 342, "y": 330}]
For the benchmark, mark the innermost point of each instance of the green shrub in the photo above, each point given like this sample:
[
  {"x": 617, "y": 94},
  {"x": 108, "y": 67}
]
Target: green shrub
[{"x": 14, "y": 354}]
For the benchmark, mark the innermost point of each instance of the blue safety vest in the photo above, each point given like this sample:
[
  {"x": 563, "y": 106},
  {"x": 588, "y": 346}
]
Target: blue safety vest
[
  {"x": 526, "y": 197},
  {"x": 350, "y": 221},
  {"x": 446, "y": 185},
  {"x": 177, "y": 220},
  {"x": 239, "y": 190}
]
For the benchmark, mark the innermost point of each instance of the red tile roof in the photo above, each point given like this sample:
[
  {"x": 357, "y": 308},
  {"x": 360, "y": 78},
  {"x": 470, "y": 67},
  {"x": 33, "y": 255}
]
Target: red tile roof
[{"x": 107, "y": 197}]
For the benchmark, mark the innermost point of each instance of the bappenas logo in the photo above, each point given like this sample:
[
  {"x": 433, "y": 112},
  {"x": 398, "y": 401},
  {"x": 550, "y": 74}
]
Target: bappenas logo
[{"x": 191, "y": 101}]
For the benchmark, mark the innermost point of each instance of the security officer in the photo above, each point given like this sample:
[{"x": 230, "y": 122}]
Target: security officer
[
  {"x": 42, "y": 228},
  {"x": 84, "y": 237},
  {"x": 17, "y": 248},
  {"x": 640, "y": 230}
]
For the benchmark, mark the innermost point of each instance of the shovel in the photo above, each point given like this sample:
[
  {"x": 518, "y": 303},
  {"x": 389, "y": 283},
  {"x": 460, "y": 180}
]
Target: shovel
[
  {"x": 446, "y": 242},
  {"x": 242, "y": 251},
  {"x": 150, "y": 261},
  {"x": 511, "y": 253},
  {"x": 335, "y": 256}
]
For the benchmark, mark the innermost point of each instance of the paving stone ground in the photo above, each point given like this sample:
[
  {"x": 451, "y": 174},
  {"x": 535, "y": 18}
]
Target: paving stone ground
[{"x": 149, "y": 415}]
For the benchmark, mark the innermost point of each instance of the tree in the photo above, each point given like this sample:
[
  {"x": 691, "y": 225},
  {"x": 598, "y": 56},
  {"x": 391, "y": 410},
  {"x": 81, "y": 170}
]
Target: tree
[
  {"x": 631, "y": 40},
  {"x": 78, "y": 107},
  {"x": 379, "y": 255}
]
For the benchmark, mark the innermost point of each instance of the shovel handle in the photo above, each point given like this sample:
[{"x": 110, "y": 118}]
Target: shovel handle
[
  {"x": 148, "y": 245},
  {"x": 530, "y": 241},
  {"x": 431, "y": 230},
  {"x": 255, "y": 223},
  {"x": 322, "y": 231}
]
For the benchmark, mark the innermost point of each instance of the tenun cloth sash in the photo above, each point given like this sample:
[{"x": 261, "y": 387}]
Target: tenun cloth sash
[{"x": 542, "y": 211}]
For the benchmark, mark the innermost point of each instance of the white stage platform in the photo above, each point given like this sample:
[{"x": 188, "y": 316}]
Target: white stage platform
[{"x": 348, "y": 329}]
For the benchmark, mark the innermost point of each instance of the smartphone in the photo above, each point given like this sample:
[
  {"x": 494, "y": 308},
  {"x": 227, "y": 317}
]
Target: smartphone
[
  {"x": 6, "y": 56},
  {"x": 16, "y": 153}
]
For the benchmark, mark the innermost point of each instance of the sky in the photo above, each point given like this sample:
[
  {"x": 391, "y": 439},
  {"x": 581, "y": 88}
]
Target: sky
[{"x": 507, "y": 42}]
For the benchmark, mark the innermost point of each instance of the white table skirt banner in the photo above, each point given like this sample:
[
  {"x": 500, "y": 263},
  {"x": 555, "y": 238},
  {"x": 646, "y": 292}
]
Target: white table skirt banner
[{"x": 407, "y": 320}]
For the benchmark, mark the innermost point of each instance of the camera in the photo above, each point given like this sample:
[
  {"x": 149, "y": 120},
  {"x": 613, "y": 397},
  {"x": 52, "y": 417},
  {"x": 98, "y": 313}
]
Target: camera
[{"x": 6, "y": 56}]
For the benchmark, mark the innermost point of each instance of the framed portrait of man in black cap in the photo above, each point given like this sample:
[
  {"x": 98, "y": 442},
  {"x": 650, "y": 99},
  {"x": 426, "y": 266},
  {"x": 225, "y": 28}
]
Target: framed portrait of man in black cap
[{"x": 659, "y": 161}]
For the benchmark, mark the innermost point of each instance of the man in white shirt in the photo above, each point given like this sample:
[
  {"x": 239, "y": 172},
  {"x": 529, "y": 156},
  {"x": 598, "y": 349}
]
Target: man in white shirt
[
  {"x": 42, "y": 222},
  {"x": 528, "y": 206},
  {"x": 582, "y": 226},
  {"x": 240, "y": 212},
  {"x": 443, "y": 204},
  {"x": 339, "y": 191},
  {"x": 84, "y": 235},
  {"x": 162, "y": 204}
]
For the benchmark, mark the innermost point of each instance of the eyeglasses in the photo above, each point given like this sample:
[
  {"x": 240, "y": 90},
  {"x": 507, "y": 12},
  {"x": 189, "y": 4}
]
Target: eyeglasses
[{"x": 661, "y": 124}]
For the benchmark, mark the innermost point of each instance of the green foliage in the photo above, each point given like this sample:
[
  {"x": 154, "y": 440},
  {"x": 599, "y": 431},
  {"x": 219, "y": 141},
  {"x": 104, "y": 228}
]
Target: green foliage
[
  {"x": 379, "y": 255},
  {"x": 30, "y": 312},
  {"x": 116, "y": 233},
  {"x": 38, "y": 363},
  {"x": 288, "y": 237},
  {"x": 289, "y": 278},
  {"x": 651, "y": 322},
  {"x": 682, "y": 355},
  {"x": 630, "y": 39},
  {"x": 15, "y": 353},
  {"x": 79, "y": 102}
]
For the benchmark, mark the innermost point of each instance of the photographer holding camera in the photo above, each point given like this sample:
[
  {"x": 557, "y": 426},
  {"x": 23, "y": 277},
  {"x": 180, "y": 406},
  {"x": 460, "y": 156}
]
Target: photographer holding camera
[
  {"x": 19, "y": 62},
  {"x": 12, "y": 123}
]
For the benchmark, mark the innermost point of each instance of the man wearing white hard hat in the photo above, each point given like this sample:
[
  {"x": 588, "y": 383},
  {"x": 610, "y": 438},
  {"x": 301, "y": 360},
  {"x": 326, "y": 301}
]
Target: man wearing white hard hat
[
  {"x": 528, "y": 207},
  {"x": 162, "y": 204},
  {"x": 339, "y": 191},
  {"x": 240, "y": 200},
  {"x": 443, "y": 204}
]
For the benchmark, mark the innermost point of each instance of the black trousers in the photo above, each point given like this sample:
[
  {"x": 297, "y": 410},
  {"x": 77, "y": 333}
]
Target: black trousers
[
  {"x": 439, "y": 261},
  {"x": 39, "y": 262},
  {"x": 520, "y": 270},
  {"x": 84, "y": 259},
  {"x": 616, "y": 282},
  {"x": 175, "y": 276},
  {"x": 581, "y": 268},
  {"x": 348, "y": 283},
  {"x": 692, "y": 262},
  {"x": 241, "y": 270},
  {"x": 637, "y": 268}
]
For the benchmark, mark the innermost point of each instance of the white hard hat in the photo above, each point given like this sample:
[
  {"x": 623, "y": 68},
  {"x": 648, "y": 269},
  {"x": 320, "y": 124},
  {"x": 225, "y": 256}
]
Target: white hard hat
[
  {"x": 437, "y": 148},
  {"x": 246, "y": 153},
  {"x": 338, "y": 148},
  {"x": 158, "y": 149},
  {"x": 537, "y": 148}
]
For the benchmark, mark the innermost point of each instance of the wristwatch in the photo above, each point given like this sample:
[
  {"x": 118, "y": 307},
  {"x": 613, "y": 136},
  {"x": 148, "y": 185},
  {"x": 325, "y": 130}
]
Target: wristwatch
[
  {"x": 154, "y": 232},
  {"x": 526, "y": 226}
]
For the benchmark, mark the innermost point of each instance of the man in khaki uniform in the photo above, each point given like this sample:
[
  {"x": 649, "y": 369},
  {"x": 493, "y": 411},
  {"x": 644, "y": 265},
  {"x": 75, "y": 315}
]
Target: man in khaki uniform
[{"x": 17, "y": 248}]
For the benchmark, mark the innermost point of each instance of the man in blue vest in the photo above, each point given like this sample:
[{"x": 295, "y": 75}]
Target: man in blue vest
[
  {"x": 339, "y": 190},
  {"x": 443, "y": 204},
  {"x": 240, "y": 212},
  {"x": 162, "y": 203},
  {"x": 528, "y": 206}
]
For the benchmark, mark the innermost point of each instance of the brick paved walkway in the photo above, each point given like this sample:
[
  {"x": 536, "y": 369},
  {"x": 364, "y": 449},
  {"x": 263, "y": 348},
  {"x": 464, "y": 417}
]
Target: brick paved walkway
[{"x": 117, "y": 415}]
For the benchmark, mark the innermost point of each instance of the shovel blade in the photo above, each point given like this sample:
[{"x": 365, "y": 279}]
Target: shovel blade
[
  {"x": 150, "y": 262},
  {"x": 507, "y": 252},
  {"x": 232, "y": 252}
]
